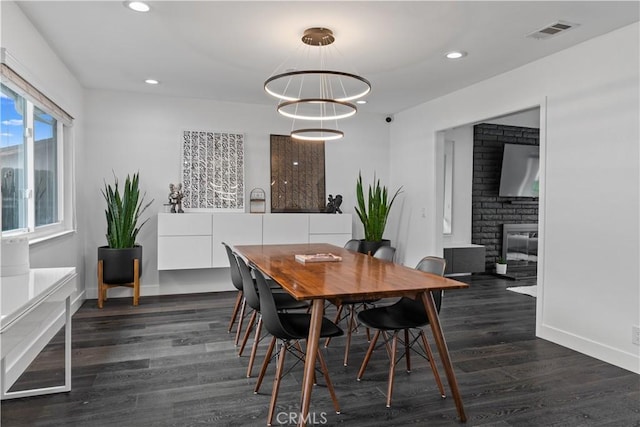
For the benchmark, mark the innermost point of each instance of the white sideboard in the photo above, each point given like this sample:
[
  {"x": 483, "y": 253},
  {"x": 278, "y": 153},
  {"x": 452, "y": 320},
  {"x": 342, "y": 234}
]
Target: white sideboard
[
  {"x": 194, "y": 240},
  {"x": 185, "y": 241}
]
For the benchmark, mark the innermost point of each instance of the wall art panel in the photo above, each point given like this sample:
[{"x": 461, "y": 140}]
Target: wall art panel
[{"x": 213, "y": 170}]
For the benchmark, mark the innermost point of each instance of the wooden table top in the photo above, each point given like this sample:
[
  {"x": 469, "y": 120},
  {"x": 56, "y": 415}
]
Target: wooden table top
[{"x": 356, "y": 276}]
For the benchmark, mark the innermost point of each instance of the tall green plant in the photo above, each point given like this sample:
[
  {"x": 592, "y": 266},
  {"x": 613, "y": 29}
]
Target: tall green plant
[
  {"x": 123, "y": 212},
  {"x": 374, "y": 211}
]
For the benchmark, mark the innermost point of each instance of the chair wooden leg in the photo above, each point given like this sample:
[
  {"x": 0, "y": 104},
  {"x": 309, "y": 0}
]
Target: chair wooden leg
[
  {"x": 427, "y": 349},
  {"x": 387, "y": 346},
  {"x": 265, "y": 364},
  {"x": 336, "y": 321},
  {"x": 276, "y": 382},
  {"x": 136, "y": 282},
  {"x": 234, "y": 315},
  {"x": 254, "y": 348},
  {"x": 392, "y": 366},
  {"x": 243, "y": 307},
  {"x": 100, "y": 284},
  {"x": 350, "y": 327},
  {"x": 245, "y": 338},
  {"x": 407, "y": 349},
  {"x": 367, "y": 356},
  {"x": 325, "y": 372}
]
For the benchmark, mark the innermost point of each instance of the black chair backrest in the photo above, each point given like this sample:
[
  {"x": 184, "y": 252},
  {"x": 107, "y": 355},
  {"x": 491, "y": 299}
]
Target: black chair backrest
[
  {"x": 428, "y": 264},
  {"x": 236, "y": 279},
  {"x": 385, "y": 253},
  {"x": 435, "y": 265},
  {"x": 268, "y": 309},
  {"x": 249, "y": 286},
  {"x": 432, "y": 264},
  {"x": 352, "y": 245}
]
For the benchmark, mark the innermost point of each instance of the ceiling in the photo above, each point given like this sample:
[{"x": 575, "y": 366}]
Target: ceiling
[{"x": 224, "y": 50}]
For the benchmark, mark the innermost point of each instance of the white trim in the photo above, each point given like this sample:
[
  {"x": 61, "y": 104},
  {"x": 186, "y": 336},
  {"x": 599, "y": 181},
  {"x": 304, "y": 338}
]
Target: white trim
[
  {"x": 591, "y": 348},
  {"x": 30, "y": 173},
  {"x": 542, "y": 216},
  {"x": 44, "y": 238}
]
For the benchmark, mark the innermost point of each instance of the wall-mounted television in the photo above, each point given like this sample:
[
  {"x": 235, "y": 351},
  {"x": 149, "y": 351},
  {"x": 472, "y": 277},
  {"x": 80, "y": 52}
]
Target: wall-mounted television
[{"x": 520, "y": 176}]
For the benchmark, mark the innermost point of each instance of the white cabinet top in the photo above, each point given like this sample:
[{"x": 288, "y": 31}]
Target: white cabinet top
[{"x": 461, "y": 245}]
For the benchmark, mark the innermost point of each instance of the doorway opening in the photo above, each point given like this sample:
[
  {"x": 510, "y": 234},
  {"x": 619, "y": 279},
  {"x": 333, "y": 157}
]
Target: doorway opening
[{"x": 475, "y": 211}]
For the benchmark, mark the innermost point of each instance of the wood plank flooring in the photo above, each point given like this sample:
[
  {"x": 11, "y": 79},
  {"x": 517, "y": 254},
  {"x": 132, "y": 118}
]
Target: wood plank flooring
[{"x": 170, "y": 362}]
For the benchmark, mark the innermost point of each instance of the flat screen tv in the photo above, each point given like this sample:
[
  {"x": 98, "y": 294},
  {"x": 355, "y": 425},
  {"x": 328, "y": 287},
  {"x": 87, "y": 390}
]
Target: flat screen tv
[{"x": 520, "y": 171}]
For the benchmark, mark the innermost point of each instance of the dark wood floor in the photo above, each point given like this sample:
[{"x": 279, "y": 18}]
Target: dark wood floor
[{"x": 170, "y": 362}]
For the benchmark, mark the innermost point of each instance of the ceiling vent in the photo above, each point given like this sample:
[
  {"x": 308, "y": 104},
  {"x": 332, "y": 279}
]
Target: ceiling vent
[{"x": 552, "y": 30}]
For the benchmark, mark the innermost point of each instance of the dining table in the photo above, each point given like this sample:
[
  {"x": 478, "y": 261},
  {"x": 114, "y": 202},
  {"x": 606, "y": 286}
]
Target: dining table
[{"x": 349, "y": 275}]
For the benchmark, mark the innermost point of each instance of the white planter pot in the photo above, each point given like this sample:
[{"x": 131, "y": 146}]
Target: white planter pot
[{"x": 501, "y": 268}]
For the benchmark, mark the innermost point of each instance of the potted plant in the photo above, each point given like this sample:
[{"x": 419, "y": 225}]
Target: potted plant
[
  {"x": 373, "y": 213},
  {"x": 501, "y": 266},
  {"x": 123, "y": 214}
]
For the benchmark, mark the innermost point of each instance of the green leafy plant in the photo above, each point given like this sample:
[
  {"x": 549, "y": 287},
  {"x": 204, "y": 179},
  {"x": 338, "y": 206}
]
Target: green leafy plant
[
  {"x": 374, "y": 211},
  {"x": 123, "y": 212},
  {"x": 501, "y": 260}
]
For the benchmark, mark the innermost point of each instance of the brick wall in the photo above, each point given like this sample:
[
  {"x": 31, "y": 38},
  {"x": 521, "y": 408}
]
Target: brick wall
[{"x": 489, "y": 211}]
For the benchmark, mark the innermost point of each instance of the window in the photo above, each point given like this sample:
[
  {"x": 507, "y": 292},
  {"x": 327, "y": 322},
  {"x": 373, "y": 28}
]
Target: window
[{"x": 31, "y": 166}]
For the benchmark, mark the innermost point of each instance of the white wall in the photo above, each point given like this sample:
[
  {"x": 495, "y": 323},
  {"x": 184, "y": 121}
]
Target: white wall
[
  {"x": 30, "y": 56},
  {"x": 589, "y": 208},
  {"x": 461, "y": 223},
  {"x": 128, "y": 132},
  {"x": 527, "y": 119}
]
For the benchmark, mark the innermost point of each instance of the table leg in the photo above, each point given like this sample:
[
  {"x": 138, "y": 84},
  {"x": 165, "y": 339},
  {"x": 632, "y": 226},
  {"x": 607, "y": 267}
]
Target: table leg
[
  {"x": 67, "y": 344},
  {"x": 434, "y": 321},
  {"x": 317, "y": 309}
]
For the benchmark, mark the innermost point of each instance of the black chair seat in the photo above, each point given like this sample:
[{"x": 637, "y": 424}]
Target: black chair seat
[
  {"x": 285, "y": 301},
  {"x": 289, "y": 328},
  {"x": 404, "y": 314},
  {"x": 297, "y": 326}
]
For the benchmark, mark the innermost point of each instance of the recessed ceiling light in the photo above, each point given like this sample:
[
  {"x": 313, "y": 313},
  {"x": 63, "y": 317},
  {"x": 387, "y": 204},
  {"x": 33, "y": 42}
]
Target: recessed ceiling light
[
  {"x": 361, "y": 101},
  {"x": 138, "y": 6},
  {"x": 151, "y": 81},
  {"x": 456, "y": 54}
]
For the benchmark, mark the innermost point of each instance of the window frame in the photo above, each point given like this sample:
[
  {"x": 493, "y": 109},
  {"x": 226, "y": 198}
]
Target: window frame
[{"x": 63, "y": 224}]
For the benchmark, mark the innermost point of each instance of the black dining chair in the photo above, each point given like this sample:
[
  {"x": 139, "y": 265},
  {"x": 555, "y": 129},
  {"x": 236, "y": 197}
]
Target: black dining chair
[
  {"x": 289, "y": 329},
  {"x": 240, "y": 305},
  {"x": 282, "y": 300},
  {"x": 352, "y": 306},
  {"x": 406, "y": 315}
]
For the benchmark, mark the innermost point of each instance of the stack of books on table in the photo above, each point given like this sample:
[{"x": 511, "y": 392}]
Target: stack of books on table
[{"x": 318, "y": 258}]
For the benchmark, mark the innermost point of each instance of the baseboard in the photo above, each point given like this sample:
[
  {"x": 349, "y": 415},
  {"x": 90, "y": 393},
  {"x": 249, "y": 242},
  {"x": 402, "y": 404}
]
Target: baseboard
[
  {"x": 614, "y": 356},
  {"x": 153, "y": 290},
  {"x": 76, "y": 303}
]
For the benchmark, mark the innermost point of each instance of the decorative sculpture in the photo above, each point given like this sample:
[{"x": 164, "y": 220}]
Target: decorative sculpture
[
  {"x": 333, "y": 206},
  {"x": 175, "y": 198}
]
